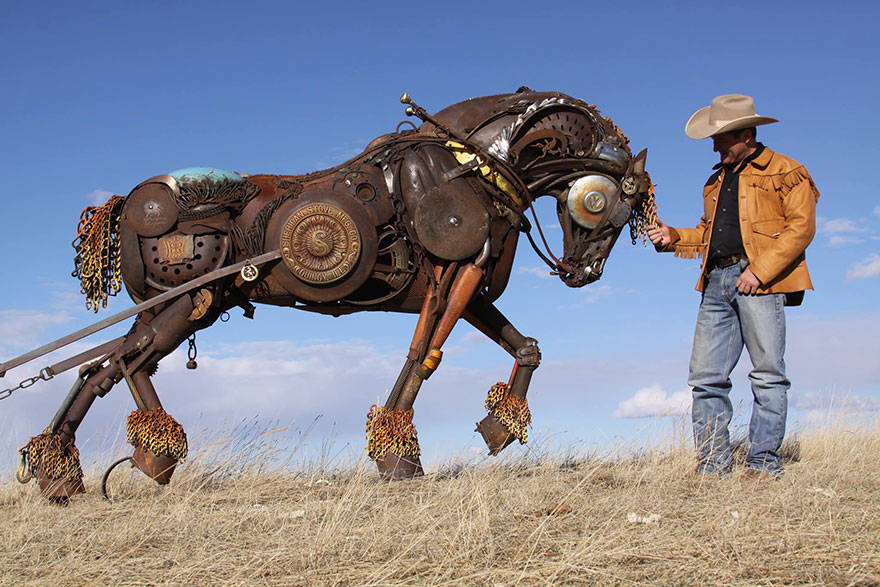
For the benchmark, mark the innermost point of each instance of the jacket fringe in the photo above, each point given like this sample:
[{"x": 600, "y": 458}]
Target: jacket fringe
[
  {"x": 786, "y": 183},
  {"x": 689, "y": 251}
]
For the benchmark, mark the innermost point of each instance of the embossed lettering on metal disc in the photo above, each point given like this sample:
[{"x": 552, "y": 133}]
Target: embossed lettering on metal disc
[{"x": 320, "y": 243}]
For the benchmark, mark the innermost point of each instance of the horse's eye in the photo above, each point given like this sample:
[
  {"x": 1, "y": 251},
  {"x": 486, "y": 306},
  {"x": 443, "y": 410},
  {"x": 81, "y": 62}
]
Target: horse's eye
[{"x": 588, "y": 199}]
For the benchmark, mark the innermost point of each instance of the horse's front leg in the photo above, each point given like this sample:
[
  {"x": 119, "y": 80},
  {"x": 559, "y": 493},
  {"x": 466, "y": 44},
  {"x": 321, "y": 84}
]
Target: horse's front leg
[
  {"x": 391, "y": 436},
  {"x": 509, "y": 415}
]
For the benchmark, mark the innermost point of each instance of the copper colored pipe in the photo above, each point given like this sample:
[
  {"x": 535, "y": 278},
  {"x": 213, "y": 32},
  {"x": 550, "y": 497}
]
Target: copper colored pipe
[
  {"x": 462, "y": 291},
  {"x": 417, "y": 346}
]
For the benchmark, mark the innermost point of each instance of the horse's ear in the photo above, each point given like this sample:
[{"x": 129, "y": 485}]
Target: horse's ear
[{"x": 639, "y": 162}]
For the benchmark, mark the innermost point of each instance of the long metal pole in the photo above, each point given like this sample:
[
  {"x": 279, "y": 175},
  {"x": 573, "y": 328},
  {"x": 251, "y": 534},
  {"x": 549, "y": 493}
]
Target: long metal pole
[{"x": 181, "y": 289}]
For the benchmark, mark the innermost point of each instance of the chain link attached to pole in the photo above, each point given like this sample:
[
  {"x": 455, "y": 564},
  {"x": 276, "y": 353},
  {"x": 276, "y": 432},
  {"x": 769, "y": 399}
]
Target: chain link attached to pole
[{"x": 44, "y": 375}]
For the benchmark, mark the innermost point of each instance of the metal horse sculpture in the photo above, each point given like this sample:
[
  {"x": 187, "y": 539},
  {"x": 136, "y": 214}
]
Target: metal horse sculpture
[{"x": 425, "y": 220}]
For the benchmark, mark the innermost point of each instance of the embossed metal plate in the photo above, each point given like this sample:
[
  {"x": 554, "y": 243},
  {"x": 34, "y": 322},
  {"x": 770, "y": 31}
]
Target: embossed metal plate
[
  {"x": 320, "y": 243},
  {"x": 175, "y": 249}
]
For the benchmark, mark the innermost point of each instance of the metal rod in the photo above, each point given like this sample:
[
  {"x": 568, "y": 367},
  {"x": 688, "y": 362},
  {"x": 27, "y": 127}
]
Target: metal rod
[
  {"x": 135, "y": 393},
  {"x": 181, "y": 289},
  {"x": 65, "y": 405},
  {"x": 103, "y": 349}
]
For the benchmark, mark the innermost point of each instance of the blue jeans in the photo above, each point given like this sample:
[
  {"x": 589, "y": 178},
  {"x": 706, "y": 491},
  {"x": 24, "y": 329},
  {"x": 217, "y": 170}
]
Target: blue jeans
[{"x": 726, "y": 321}]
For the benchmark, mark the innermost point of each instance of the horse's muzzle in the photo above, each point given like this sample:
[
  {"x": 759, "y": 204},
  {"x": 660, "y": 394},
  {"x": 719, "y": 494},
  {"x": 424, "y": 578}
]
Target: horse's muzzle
[{"x": 580, "y": 276}]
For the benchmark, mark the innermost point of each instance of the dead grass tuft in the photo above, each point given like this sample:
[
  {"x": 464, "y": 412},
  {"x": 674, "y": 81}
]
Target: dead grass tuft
[{"x": 649, "y": 519}]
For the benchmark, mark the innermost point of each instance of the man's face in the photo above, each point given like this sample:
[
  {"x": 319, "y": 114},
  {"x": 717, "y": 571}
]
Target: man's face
[{"x": 732, "y": 147}]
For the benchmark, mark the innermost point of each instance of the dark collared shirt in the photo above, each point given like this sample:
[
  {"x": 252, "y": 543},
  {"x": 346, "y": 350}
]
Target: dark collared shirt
[{"x": 726, "y": 236}]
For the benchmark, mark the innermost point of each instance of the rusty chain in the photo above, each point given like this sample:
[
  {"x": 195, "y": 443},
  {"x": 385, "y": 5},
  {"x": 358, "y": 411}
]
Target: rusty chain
[
  {"x": 644, "y": 218},
  {"x": 512, "y": 411},
  {"x": 43, "y": 375},
  {"x": 158, "y": 432},
  {"x": 98, "y": 261}
]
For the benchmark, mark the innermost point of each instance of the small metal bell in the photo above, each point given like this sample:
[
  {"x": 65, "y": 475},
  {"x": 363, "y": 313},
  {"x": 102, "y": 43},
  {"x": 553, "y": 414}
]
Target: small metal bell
[{"x": 191, "y": 364}]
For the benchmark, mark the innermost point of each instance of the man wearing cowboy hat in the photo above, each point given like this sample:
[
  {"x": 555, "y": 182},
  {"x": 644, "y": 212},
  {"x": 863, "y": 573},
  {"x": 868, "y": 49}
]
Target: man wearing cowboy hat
[{"x": 759, "y": 216}]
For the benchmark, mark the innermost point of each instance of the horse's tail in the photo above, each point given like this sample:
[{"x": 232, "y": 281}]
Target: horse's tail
[{"x": 98, "y": 260}]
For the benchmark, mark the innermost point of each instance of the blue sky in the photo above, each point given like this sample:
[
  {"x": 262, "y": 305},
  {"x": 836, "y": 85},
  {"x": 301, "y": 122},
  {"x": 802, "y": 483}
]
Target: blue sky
[{"x": 99, "y": 96}]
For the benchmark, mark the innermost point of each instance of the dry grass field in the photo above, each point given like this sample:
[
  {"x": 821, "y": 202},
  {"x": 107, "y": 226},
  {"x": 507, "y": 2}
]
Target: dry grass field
[{"x": 542, "y": 520}]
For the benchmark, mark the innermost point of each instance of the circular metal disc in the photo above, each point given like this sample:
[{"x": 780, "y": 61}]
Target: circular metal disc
[
  {"x": 451, "y": 222},
  {"x": 150, "y": 210},
  {"x": 584, "y": 196},
  {"x": 328, "y": 245},
  {"x": 320, "y": 243}
]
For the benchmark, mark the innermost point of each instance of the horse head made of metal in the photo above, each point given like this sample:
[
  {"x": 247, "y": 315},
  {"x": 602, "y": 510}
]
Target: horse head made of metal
[{"x": 550, "y": 144}]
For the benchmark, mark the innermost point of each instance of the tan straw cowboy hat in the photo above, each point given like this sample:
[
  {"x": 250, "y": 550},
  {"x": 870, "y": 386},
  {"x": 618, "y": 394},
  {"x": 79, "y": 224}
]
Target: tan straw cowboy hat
[{"x": 726, "y": 113}]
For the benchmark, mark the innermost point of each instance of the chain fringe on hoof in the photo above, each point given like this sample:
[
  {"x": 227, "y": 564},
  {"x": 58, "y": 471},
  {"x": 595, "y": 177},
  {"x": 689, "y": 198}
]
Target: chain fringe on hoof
[
  {"x": 391, "y": 431},
  {"x": 156, "y": 432},
  {"x": 511, "y": 410},
  {"x": 48, "y": 457}
]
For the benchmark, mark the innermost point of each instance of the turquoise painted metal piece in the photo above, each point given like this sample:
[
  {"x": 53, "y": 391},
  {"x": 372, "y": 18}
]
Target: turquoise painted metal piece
[{"x": 199, "y": 174}]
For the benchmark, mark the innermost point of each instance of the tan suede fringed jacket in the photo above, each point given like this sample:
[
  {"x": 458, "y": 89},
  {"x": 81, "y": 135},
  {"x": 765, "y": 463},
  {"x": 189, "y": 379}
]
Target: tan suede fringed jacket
[{"x": 777, "y": 219}]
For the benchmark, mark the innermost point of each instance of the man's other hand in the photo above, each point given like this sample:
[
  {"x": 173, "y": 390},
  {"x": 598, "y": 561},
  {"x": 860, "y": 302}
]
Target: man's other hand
[
  {"x": 659, "y": 234},
  {"x": 747, "y": 283}
]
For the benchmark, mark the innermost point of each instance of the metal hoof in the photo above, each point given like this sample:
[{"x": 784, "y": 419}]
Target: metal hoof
[
  {"x": 107, "y": 476},
  {"x": 495, "y": 435},
  {"x": 59, "y": 490},
  {"x": 157, "y": 468},
  {"x": 394, "y": 468}
]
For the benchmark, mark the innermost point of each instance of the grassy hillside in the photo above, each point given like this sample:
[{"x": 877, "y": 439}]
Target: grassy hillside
[{"x": 545, "y": 521}]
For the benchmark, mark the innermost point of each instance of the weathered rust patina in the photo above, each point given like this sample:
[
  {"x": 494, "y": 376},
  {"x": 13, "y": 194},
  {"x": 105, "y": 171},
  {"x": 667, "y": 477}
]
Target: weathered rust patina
[{"x": 425, "y": 220}]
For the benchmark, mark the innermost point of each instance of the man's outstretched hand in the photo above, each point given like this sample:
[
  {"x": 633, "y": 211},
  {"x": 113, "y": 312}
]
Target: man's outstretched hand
[{"x": 659, "y": 234}]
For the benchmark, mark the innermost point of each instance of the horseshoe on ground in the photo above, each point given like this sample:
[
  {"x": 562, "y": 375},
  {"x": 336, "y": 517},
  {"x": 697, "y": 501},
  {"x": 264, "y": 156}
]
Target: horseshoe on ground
[{"x": 107, "y": 476}]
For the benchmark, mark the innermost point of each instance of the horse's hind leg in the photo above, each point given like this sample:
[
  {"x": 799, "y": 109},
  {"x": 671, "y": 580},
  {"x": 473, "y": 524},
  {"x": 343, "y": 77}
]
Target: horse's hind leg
[
  {"x": 52, "y": 456},
  {"x": 509, "y": 415},
  {"x": 159, "y": 441}
]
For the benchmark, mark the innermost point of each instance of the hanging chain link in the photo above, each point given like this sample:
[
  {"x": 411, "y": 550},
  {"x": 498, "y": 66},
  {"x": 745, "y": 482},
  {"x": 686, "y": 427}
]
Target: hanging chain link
[
  {"x": 98, "y": 261},
  {"x": 192, "y": 352},
  {"x": 643, "y": 218},
  {"x": 43, "y": 375}
]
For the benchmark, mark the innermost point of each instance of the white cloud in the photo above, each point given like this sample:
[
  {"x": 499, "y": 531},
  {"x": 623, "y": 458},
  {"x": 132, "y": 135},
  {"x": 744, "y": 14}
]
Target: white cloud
[
  {"x": 839, "y": 241},
  {"x": 23, "y": 327},
  {"x": 839, "y": 226},
  {"x": 98, "y": 197},
  {"x": 869, "y": 267},
  {"x": 473, "y": 337},
  {"x": 651, "y": 402},
  {"x": 877, "y": 211},
  {"x": 835, "y": 418},
  {"x": 831, "y": 402},
  {"x": 591, "y": 294},
  {"x": 541, "y": 272}
]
